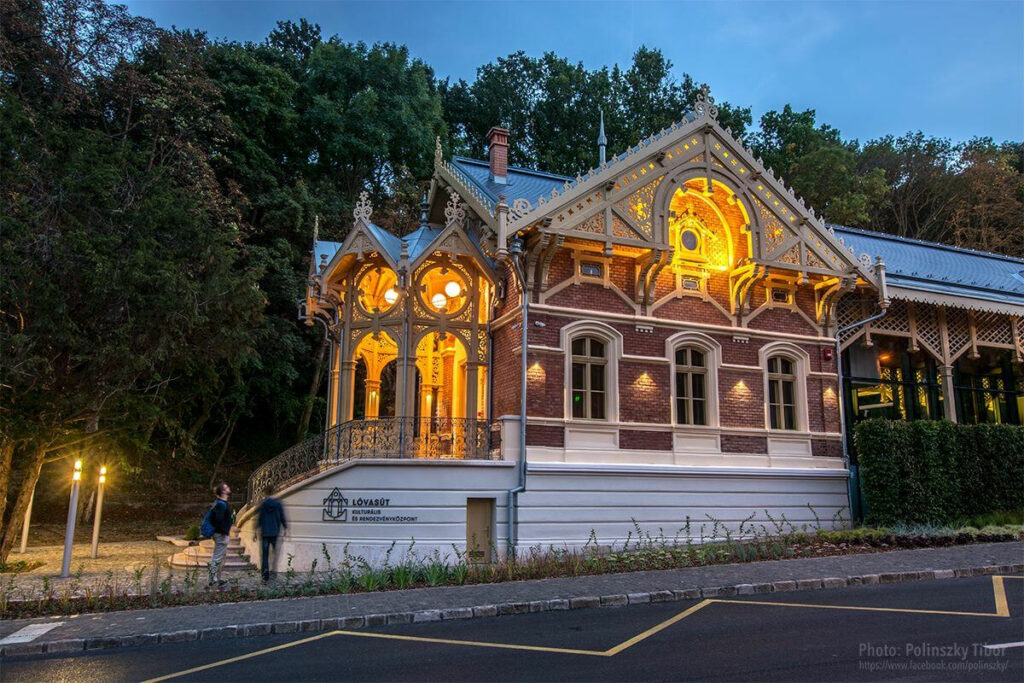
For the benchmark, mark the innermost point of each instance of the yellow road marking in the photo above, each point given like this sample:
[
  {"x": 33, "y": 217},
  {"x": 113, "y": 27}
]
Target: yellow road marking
[
  {"x": 474, "y": 643},
  {"x": 999, "y": 591},
  {"x": 1002, "y": 608},
  {"x": 861, "y": 609},
  {"x": 239, "y": 658},
  {"x": 611, "y": 652}
]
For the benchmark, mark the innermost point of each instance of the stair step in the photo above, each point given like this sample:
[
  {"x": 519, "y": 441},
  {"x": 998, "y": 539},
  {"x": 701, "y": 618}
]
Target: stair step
[{"x": 198, "y": 556}]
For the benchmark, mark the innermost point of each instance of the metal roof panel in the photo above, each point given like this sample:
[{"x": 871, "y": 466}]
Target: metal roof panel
[{"x": 930, "y": 266}]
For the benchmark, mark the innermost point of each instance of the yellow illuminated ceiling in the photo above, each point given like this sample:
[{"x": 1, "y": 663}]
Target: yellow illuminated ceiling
[{"x": 699, "y": 230}]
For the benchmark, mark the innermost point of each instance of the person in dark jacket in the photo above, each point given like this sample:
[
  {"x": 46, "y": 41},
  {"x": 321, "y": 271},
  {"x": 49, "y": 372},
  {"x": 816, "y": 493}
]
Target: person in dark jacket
[
  {"x": 271, "y": 524},
  {"x": 220, "y": 518}
]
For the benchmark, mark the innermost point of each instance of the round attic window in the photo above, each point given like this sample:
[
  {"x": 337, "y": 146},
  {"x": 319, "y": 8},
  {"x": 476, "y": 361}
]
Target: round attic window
[
  {"x": 689, "y": 240},
  {"x": 378, "y": 290}
]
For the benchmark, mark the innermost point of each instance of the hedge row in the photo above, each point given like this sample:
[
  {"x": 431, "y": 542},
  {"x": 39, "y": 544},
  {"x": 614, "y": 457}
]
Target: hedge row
[{"x": 938, "y": 471}]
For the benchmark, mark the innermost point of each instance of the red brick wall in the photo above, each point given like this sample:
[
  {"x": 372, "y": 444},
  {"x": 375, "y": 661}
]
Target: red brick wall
[
  {"x": 545, "y": 385},
  {"x": 827, "y": 448},
  {"x": 744, "y": 444},
  {"x": 645, "y": 392},
  {"x": 782, "y": 320},
  {"x": 545, "y": 435},
  {"x": 740, "y": 398},
  {"x": 636, "y": 440},
  {"x": 506, "y": 371},
  {"x": 589, "y": 296},
  {"x": 691, "y": 309},
  {"x": 645, "y": 387}
]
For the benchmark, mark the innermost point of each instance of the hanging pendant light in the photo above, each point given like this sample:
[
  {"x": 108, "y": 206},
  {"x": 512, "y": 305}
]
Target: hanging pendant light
[
  {"x": 452, "y": 289},
  {"x": 439, "y": 300},
  {"x": 391, "y": 296}
]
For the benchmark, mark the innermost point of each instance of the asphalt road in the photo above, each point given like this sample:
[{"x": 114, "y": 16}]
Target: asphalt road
[{"x": 801, "y": 636}]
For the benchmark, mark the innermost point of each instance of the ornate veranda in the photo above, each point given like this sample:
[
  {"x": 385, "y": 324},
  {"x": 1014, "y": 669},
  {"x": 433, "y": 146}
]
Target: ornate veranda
[{"x": 408, "y": 324}]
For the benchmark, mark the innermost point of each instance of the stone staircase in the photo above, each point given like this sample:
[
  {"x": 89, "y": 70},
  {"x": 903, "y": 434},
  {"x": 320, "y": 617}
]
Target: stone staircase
[{"x": 198, "y": 556}]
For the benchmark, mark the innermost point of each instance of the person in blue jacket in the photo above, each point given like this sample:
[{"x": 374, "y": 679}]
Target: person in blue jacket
[
  {"x": 271, "y": 525},
  {"x": 221, "y": 517}
]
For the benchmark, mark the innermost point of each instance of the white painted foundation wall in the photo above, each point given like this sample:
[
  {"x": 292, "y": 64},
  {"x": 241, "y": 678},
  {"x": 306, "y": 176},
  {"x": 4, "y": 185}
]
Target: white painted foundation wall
[{"x": 565, "y": 505}]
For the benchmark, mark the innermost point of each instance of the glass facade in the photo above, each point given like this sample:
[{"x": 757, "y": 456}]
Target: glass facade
[
  {"x": 901, "y": 385},
  {"x": 889, "y": 380},
  {"x": 987, "y": 390}
]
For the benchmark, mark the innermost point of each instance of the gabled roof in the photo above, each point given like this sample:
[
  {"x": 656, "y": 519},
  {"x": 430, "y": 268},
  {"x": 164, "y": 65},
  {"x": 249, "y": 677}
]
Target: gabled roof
[
  {"x": 324, "y": 248},
  {"x": 522, "y": 183},
  {"x": 941, "y": 269},
  {"x": 391, "y": 244},
  {"x": 419, "y": 239}
]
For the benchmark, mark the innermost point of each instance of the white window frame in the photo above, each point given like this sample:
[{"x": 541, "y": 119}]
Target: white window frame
[
  {"x": 588, "y": 361},
  {"x": 801, "y": 362},
  {"x": 712, "y": 360},
  {"x": 612, "y": 340}
]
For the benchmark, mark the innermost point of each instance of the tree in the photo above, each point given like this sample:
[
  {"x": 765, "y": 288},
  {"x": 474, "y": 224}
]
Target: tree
[
  {"x": 987, "y": 214},
  {"x": 923, "y": 185},
  {"x": 124, "y": 306},
  {"x": 820, "y": 166},
  {"x": 552, "y": 108}
]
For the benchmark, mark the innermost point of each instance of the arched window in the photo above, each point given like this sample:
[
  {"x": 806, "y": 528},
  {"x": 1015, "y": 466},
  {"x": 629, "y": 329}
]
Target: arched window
[
  {"x": 691, "y": 386},
  {"x": 782, "y": 393},
  {"x": 589, "y": 378}
]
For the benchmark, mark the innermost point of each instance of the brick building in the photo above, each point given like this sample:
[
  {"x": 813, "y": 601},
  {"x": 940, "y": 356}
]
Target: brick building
[{"x": 684, "y": 337}]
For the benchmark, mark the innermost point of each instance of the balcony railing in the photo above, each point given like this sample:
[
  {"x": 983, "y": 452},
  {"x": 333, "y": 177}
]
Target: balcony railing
[{"x": 437, "y": 438}]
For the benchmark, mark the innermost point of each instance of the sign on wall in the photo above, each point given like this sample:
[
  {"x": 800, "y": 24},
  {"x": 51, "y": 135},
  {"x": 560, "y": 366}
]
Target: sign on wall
[{"x": 338, "y": 508}]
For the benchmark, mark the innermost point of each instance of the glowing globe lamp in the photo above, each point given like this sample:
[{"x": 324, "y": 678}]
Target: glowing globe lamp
[
  {"x": 391, "y": 296},
  {"x": 439, "y": 301},
  {"x": 452, "y": 289}
]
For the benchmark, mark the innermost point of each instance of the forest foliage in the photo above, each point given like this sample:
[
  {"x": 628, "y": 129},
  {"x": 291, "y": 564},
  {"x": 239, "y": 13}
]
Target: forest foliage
[{"x": 160, "y": 189}]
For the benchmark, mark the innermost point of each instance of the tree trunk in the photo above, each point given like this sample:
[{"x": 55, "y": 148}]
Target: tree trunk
[
  {"x": 12, "y": 532},
  {"x": 314, "y": 389},
  {"x": 223, "y": 450},
  {"x": 6, "y": 455}
]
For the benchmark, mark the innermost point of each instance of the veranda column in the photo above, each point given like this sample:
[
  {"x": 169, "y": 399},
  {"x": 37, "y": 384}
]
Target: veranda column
[
  {"x": 346, "y": 389},
  {"x": 472, "y": 382},
  {"x": 405, "y": 386},
  {"x": 948, "y": 393},
  {"x": 372, "y": 398},
  {"x": 332, "y": 388}
]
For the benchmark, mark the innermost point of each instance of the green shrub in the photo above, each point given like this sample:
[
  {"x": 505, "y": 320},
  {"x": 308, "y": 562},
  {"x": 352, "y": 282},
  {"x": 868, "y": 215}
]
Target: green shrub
[
  {"x": 938, "y": 472},
  {"x": 192, "y": 533}
]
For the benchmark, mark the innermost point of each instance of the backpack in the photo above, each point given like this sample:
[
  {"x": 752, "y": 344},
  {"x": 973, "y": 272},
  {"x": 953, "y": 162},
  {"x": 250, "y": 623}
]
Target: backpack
[{"x": 206, "y": 528}]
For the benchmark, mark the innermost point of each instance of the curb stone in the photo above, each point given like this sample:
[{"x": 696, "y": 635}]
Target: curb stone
[{"x": 480, "y": 611}]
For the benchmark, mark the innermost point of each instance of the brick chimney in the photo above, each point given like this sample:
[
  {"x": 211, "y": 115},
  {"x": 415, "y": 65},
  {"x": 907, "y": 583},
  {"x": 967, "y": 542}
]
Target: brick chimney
[{"x": 497, "y": 146}]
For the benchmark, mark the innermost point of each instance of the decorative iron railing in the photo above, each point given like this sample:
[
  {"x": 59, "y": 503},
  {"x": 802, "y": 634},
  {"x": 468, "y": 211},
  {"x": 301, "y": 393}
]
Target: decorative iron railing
[{"x": 438, "y": 438}]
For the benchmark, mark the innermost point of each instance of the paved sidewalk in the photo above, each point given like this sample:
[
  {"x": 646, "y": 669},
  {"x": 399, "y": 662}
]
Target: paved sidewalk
[{"x": 173, "y": 624}]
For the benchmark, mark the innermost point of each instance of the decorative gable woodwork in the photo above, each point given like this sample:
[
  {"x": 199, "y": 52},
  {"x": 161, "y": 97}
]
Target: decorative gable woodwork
[{"x": 625, "y": 202}]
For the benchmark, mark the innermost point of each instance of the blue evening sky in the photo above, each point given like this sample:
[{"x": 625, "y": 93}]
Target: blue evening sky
[{"x": 870, "y": 68}]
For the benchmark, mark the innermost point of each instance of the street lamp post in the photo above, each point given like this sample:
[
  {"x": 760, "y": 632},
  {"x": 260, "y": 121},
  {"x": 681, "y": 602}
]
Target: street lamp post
[
  {"x": 69, "y": 531},
  {"x": 99, "y": 513}
]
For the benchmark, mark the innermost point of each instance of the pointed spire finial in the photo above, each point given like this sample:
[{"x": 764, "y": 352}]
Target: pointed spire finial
[
  {"x": 602, "y": 141},
  {"x": 424, "y": 207}
]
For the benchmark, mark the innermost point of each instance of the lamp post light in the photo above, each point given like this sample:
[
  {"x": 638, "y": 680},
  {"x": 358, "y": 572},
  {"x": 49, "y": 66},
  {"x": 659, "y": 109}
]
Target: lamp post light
[
  {"x": 69, "y": 531},
  {"x": 99, "y": 512}
]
